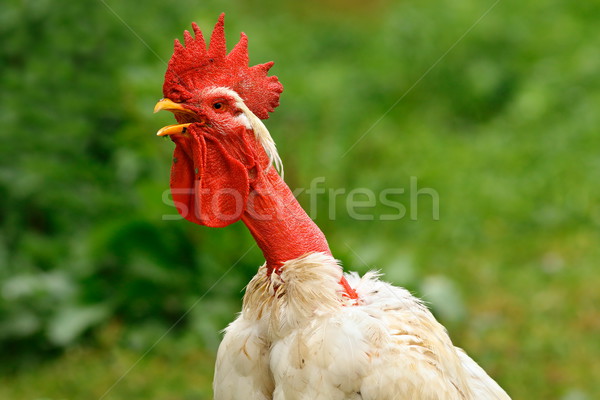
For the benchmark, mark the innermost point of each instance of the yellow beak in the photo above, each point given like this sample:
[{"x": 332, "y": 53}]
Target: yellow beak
[
  {"x": 172, "y": 129},
  {"x": 169, "y": 105}
]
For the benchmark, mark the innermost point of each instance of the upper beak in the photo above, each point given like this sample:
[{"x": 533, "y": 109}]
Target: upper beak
[{"x": 169, "y": 105}]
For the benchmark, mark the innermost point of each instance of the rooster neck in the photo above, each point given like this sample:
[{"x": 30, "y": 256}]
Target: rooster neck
[{"x": 278, "y": 223}]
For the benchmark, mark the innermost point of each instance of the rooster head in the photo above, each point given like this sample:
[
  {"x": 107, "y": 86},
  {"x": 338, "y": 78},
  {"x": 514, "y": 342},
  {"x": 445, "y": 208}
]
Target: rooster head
[{"x": 221, "y": 144}]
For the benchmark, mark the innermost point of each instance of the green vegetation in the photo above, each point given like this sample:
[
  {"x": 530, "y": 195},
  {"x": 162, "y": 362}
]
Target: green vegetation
[{"x": 500, "y": 118}]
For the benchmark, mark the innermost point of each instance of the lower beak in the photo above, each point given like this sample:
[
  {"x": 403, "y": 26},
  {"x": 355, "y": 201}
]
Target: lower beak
[{"x": 172, "y": 129}]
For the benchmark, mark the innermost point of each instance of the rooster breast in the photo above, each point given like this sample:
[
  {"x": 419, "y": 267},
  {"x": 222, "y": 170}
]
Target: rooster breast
[{"x": 299, "y": 338}]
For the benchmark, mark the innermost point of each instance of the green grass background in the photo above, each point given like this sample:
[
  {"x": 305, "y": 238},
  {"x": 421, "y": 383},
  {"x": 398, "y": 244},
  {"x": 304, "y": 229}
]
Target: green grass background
[{"x": 494, "y": 105}]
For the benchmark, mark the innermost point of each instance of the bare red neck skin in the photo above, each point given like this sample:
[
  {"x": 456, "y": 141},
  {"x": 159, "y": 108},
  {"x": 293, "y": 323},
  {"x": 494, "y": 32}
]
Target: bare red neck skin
[{"x": 280, "y": 226}]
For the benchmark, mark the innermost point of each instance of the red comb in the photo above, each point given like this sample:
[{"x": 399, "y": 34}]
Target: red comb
[{"x": 195, "y": 67}]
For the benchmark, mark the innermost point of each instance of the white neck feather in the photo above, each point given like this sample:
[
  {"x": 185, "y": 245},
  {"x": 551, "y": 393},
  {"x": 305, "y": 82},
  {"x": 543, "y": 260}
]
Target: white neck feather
[{"x": 305, "y": 288}]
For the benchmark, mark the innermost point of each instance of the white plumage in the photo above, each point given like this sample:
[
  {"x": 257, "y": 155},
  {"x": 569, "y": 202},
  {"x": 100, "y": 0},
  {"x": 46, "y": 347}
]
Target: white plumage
[{"x": 305, "y": 340}]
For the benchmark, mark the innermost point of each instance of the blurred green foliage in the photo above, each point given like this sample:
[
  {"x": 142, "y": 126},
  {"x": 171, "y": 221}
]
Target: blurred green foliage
[{"x": 498, "y": 115}]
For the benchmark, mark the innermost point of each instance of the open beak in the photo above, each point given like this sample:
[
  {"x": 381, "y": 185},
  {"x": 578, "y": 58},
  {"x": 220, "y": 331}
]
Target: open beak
[{"x": 175, "y": 108}]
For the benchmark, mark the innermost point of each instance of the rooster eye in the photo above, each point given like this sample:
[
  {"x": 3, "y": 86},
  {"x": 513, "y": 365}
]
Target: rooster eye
[{"x": 218, "y": 105}]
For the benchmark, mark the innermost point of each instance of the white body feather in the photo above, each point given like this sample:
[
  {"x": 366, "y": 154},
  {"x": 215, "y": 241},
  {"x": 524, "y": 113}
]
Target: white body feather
[{"x": 299, "y": 338}]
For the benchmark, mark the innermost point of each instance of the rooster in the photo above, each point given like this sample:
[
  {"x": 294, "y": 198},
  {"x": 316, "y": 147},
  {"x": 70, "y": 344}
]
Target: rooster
[{"x": 307, "y": 330}]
